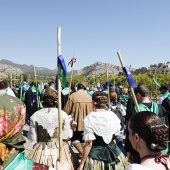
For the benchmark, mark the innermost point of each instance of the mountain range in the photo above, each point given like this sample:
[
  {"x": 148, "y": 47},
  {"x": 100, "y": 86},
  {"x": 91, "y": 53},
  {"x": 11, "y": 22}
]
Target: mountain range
[{"x": 8, "y": 69}]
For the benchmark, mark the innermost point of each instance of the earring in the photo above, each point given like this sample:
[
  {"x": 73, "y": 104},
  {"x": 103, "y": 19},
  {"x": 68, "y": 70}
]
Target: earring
[{"x": 153, "y": 145}]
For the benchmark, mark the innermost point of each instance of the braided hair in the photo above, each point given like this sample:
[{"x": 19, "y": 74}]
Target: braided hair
[
  {"x": 100, "y": 99},
  {"x": 50, "y": 98},
  {"x": 141, "y": 123}
]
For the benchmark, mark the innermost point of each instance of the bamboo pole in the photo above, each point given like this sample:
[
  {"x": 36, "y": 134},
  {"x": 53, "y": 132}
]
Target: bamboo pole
[
  {"x": 131, "y": 88},
  {"x": 11, "y": 81},
  {"x": 21, "y": 87},
  {"x": 61, "y": 152},
  {"x": 71, "y": 76},
  {"x": 107, "y": 86},
  {"x": 114, "y": 82},
  {"x": 36, "y": 87},
  {"x": 29, "y": 78},
  {"x": 156, "y": 93}
]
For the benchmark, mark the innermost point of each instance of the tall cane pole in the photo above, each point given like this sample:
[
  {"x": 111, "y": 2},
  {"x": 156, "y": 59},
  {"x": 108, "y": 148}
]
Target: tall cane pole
[
  {"x": 114, "y": 82},
  {"x": 131, "y": 88},
  {"x": 155, "y": 76},
  {"x": 60, "y": 120},
  {"x": 36, "y": 87},
  {"x": 21, "y": 87},
  {"x": 107, "y": 86},
  {"x": 11, "y": 81}
]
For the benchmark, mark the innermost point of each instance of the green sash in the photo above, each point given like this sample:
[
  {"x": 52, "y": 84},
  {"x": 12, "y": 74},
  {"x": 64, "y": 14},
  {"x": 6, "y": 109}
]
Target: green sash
[
  {"x": 125, "y": 97},
  {"x": 66, "y": 90},
  {"x": 89, "y": 92},
  {"x": 165, "y": 94},
  {"x": 168, "y": 96},
  {"x": 154, "y": 108},
  {"x": 20, "y": 163}
]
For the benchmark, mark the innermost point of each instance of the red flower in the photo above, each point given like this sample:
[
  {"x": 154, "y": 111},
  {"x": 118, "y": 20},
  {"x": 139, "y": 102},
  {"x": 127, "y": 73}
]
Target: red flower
[{"x": 17, "y": 108}]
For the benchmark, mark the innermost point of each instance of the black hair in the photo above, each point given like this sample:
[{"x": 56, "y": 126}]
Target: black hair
[
  {"x": 142, "y": 90},
  {"x": 50, "y": 83},
  {"x": 80, "y": 86},
  {"x": 3, "y": 84}
]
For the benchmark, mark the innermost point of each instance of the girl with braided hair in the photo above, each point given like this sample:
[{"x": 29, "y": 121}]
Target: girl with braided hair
[
  {"x": 148, "y": 135},
  {"x": 100, "y": 129}
]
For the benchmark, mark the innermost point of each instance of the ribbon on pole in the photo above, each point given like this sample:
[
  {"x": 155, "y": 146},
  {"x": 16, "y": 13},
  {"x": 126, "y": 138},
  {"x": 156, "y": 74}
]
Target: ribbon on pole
[
  {"x": 131, "y": 88},
  {"x": 156, "y": 82},
  {"x": 63, "y": 70},
  {"x": 72, "y": 61},
  {"x": 129, "y": 76}
]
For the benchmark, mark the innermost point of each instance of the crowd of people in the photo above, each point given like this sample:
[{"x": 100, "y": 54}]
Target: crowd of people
[{"x": 106, "y": 129}]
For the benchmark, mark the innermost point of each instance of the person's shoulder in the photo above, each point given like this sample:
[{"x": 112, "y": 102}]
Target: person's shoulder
[
  {"x": 113, "y": 115},
  {"x": 41, "y": 112},
  {"x": 64, "y": 114},
  {"x": 13, "y": 99},
  {"x": 136, "y": 166},
  {"x": 162, "y": 110},
  {"x": 90, "y": 116}
]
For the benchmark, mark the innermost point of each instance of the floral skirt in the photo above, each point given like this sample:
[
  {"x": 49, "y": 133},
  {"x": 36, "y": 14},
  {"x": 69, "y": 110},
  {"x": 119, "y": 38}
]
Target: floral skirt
[
  {"x": 92, "y": 164},
  {"x": 47, "y": 153}
]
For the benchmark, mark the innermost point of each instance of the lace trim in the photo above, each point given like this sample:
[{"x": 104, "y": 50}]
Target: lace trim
[
  {"x": 104, "y": 124},
  {"x": 50, "y": 114}
]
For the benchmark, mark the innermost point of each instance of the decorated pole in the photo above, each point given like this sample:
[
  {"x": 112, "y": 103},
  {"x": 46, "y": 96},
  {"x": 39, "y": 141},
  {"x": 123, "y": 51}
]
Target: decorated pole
[
  {"x": 21, "y": 87},
  {"x": 36, "y": 87},
  {"x": 108, "y": 93},
  {"x": 60, "y": 120},
  {"x": 71, "y": 75},
  {"x": 131, "y": 88}
]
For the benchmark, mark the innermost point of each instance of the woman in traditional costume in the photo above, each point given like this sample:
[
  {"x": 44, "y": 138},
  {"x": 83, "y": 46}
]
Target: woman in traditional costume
[
  {"x": 12, "y": 120},
  {"x": 148, "y": 135},
  {"x": 100, "y": 129},
  {"x": 44, "y": 133}
]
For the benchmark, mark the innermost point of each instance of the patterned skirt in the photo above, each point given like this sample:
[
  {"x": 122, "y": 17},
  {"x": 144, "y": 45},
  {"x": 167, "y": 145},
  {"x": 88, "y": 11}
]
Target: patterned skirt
[
  {"x": 92, "y": 164},
  {"x": 47, "y": 153}
]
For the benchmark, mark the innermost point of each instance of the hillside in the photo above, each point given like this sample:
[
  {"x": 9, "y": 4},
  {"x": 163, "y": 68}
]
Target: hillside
[
  {"x": 40, "y": 71},
  {"x": 98, "y": 68},
  {"x": 8, "y": 68}
]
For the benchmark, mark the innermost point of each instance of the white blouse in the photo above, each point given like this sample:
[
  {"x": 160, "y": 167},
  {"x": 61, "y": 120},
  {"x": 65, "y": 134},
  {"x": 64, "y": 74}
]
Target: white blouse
[
  {"x": 104, "y": 123},
  {"x": 48, "y": 119},
  {"x": 137, "y": 167}
]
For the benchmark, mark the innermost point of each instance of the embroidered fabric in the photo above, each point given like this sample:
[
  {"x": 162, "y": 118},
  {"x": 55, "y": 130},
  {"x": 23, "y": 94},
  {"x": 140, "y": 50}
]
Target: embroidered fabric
[
  {"x": 48, "y": 119},
  {"x": 163, "y": 159},
  {"x": 104, "y": 124}
]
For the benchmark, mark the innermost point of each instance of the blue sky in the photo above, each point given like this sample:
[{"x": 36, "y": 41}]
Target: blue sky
[{"x": 94, "y": 29}]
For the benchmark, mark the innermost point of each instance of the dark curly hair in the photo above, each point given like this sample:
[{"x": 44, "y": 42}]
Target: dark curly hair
[
  {"x": 100, "y": 99},
  {"x": 140, "y": 123}
]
